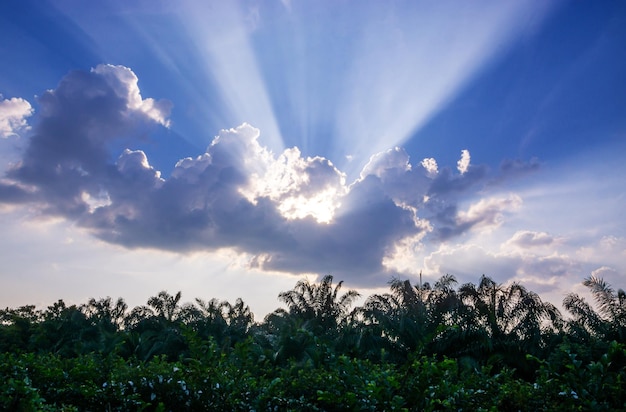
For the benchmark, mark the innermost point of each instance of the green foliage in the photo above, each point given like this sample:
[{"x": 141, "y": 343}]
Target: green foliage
[{"x": 484, "y": 348}]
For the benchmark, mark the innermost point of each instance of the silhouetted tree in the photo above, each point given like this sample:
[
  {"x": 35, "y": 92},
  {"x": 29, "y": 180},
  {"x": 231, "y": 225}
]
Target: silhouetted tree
[{"x": 608, "y": 322}]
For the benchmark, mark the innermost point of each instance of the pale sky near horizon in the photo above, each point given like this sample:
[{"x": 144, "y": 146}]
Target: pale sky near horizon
[{"x": 228, "y": 149}]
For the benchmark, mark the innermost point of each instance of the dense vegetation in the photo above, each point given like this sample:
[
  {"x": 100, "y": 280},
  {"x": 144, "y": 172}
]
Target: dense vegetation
[{"x": 440, "y": 347}]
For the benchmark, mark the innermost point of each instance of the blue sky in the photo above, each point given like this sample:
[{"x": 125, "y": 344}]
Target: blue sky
[{"x": 226, "y": 149}]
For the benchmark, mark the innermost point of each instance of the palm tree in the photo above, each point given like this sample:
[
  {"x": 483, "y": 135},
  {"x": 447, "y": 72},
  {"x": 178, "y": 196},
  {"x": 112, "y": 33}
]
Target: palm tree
[
  {"x": 155, "y": 329},
  {"x": 401, "y": 316},
  {"x": 319, "y": 305},
  {"x": 608, "y": 322},
  {"x": 208, "y": 319},
  {"x": 410, "y": 317},
  {"x": 104, "y": 312},
  {"x": 165, "y": 305},
  {"x": 316, "y": 317},
  {"x": 288, "y": 337},
  {"x": 239, "y": 318},
  {"x": 507, "y": 321},
  {"x": 106, "y": 321}
]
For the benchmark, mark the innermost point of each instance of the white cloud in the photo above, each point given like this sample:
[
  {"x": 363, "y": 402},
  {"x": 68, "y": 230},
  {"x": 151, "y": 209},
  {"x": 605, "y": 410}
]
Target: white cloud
[
  {"x": 528, "y": 238},
  {"x": 550, "y": 274},
  {"x": 468, "y": 262},
  {"x": 406, "y": 255},
  {"x": 390, "y": 162},
  {"x": 125, "y": 83},
  {"x": 13, "y": 114},
  {"x": 430, "y": 165},
  {"x": 134, "y": 163},
  {"x": 605, "y": 250},
  {"x": 605, "y": 272},
  {"x": 191, "y": 169},
  {"x": 539, "y": 266},
  {"x": 489, "y": 212},
  {"x": 463, "y": 164}
]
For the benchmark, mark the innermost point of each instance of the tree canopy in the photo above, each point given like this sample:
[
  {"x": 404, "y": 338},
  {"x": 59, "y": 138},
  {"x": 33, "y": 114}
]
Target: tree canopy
[{"x": 493, "y": 345}]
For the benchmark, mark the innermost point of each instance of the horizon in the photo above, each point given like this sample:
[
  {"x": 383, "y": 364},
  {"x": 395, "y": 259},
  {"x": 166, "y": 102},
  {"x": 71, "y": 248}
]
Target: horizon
[{"x": 228, "y": 150}]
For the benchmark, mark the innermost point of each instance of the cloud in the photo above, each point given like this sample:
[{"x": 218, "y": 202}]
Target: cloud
[
  {"x": 283, "y": 212},
  {"x": 517, "y": 166},
  {"x": 602, "y": 250},
  {"x": 605, "y": 272},
  {"x": 447, "y": 183},
  {"x": 468, "y": 262},
  {"x": 393, "y": 161},
  {"x": 528, "y": 239},
  {"x": 430, "y": 165},
  {"x": 124, "y": 82},
  {"x": 68, "y": 153},
  {"x": 463, "y": 164},
  {"x": 543, "y": 273},
  {"x": 13, "y": 114},
  {"x": 488, "y": 212}
]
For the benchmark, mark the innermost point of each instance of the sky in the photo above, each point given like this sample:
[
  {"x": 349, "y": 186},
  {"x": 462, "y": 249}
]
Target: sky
[{"x": 230, "y": 149}]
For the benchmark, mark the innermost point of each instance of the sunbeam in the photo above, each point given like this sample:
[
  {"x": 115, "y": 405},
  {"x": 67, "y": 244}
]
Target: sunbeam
[
  {"x": 368, "y": 79},
  {"x": 221, "y": 31},
  {"x": 330, "y": 78},
  {"x": 253, "y": 139},
  {"x": 414, "y": 60}
]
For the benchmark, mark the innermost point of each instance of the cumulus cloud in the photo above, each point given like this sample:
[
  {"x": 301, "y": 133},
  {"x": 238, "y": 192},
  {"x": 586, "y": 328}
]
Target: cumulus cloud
[
  {"x": 486, "y": 214},
  {"x": 528, "y": 238},
  {"x": 13, "y": 114},
  {"x": 539, "y": 272},
  {"x": 489, "y": 212},
  {"x": 463, "y": 164},
  {"x": 125, "y": 84},
  {"x": 468, "y": 262},
  {"x": 68, "y": 152},
  {"x": 286, "y": 212},
  {"x": 431, "y": 167},
  {"x": 393, "y": 161}
]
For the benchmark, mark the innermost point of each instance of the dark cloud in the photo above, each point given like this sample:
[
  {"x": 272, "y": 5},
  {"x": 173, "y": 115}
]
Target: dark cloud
[
  {"x": 68, "y": 154},
  {"x": 514, "y": 168},
  {"x": 12, "y": 193},
  {"x": 447, "y": 182},
  {"x": 237, "y": 194}
]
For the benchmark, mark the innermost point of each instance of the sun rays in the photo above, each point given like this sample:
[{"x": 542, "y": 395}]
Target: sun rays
[{"x": 371, "y": 79}]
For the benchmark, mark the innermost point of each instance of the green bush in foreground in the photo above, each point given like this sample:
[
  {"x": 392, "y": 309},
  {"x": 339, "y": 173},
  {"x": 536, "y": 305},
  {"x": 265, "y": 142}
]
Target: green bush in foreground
[
  {"x": 485, "y": 347},
  {"x": 215, "y": 381}
]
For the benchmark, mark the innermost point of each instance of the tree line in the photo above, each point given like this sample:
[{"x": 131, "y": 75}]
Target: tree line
[{"x": 472, "y": 336}]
